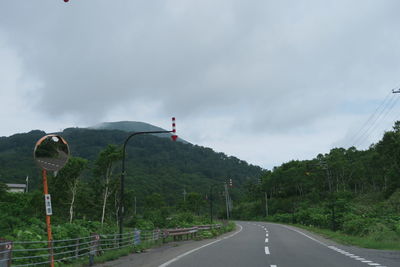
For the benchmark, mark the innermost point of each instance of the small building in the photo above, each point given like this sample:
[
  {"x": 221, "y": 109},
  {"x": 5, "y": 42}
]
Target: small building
[{"x": 16, "y": 188}]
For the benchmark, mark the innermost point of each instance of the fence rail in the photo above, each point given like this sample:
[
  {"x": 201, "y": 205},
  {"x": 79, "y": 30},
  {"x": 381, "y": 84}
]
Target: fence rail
[{"x": 36, "y": 253}]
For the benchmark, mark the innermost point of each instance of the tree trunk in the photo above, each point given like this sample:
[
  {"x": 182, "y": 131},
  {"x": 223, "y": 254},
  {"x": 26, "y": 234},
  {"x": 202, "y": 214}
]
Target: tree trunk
[
  {"x": 108, "y": 175},
  {"x": 71, "y": 207},
  {"x": 116, "y": 208},
  {"x": 104, "y": 202}
]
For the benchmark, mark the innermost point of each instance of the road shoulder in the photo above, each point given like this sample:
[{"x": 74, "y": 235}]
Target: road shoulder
[
  {"x": 389, "y": 257},
  {"x": 158, "y": 255}
]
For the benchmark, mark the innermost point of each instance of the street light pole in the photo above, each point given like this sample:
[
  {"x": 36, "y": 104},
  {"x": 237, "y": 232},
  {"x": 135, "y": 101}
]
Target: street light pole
[{"x": 122, "y": 185}]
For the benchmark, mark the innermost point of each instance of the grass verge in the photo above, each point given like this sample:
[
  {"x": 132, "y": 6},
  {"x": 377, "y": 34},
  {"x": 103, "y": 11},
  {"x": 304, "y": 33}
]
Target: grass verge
[{"x": 364, "y": 242}]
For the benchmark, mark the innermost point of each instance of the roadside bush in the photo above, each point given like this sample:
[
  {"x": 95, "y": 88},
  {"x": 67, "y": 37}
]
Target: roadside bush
[
  {"x": 380, "y": 232},
  {"x": 144, "y": 224},
  {"x": 356, "y": 225},
  {"x": 282, "y": 217},
  {"x": 312, "y": 217},
  {"x": 185, "y": 219},
  {"x": 204, "y": 234}
]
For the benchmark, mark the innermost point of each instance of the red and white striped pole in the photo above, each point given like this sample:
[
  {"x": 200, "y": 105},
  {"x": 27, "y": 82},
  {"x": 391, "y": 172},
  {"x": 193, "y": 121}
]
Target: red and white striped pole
[{"x": 174, "y": 136}]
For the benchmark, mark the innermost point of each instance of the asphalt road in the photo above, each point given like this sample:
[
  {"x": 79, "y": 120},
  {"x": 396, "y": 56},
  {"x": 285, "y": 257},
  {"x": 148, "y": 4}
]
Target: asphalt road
[{"x": 263, "y": 244}]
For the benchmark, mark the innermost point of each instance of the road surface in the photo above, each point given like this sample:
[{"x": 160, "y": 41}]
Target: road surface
[{"x": 262, "y": 244}]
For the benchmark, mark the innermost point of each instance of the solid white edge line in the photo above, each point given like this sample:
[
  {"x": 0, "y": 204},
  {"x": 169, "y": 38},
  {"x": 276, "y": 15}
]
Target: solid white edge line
[
  {"x": 193, "y": 250},
  {"x": 332, "y": 247},
  {"x": 319, "y": 242}
]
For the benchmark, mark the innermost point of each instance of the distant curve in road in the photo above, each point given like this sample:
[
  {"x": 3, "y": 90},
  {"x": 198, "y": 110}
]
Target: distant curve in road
[{"x": 275, "y": 245}]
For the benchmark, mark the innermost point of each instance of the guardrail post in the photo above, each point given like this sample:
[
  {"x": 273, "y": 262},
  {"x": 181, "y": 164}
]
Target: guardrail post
[
  {"x": 94, "y": 248},
  {"x": 156, "y": 235},
  {"x": 164, "y": 235},
  {"x": 5, "y": 252},
  {"x": 194, "y": 233}
]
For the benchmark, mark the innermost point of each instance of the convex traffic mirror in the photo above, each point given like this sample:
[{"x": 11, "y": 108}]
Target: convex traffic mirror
[{"x": 51, "y": 152}]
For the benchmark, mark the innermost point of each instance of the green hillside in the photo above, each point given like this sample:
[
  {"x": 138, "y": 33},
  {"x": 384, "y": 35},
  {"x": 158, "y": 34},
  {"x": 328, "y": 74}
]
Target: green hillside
[
  {"x": 127, "y": 126},
  {"x": 153, "y": 164},
  {"x": 132, "y": 126}
]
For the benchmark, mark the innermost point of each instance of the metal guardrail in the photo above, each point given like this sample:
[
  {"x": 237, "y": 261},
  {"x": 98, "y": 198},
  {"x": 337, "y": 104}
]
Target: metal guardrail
[
  {"x": 180, "y": 232},
  {"x": 37, "y": 253},
  {"x": 209, "y": 226}
]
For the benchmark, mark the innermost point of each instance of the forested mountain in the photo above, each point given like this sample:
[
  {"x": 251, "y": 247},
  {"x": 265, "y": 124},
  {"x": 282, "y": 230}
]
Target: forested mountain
[
  {"x": 132, "y": 126},
  {"x": 127, "y": 126},
  {"x": 356, "y": 192},
  {"x": 153, "y": 164}
]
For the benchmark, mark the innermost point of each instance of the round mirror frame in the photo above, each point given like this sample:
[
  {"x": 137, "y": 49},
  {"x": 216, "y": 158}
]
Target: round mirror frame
[{"x": 52, "y": 156}]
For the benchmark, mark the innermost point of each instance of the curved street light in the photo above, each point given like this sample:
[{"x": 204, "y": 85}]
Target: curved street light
[{"x": 121, "y": 200}]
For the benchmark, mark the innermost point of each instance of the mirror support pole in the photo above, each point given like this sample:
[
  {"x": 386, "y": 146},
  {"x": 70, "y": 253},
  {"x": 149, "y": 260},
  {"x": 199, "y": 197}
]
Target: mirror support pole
[
  {"x": 48, "y": 222},
  {"x": 51, "y": 153}
]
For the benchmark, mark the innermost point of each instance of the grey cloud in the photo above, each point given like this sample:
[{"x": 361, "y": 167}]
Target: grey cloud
[{"x": 272, "y": 65}]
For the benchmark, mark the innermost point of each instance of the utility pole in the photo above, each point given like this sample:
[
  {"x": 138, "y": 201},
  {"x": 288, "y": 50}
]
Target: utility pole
[
  {"x": 266, "y": 204},
  {"x": 184, "y": 195},
  {"x": 227, "y": 201},
  {"x": 230, "y": 204}
]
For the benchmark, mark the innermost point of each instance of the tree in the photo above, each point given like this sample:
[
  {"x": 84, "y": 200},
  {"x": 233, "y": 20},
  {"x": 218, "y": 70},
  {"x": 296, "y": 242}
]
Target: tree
[
  {"x": 70, "y": 176},
  {"x": 154, "y": 201},
  {"x": 104, "y": 167},
  {"x": 3, "y": 189},
  {"x": 195, "y": 202}
]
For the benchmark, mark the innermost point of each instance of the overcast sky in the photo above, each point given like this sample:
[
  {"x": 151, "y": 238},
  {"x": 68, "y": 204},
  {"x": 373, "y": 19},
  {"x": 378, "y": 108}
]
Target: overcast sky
[{"x": 266, "y": 81}]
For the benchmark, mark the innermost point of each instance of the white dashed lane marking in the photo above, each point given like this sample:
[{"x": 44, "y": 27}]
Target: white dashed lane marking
[
  {"x": 350, "y": 255},
  {"x": 267, "y": 251}
]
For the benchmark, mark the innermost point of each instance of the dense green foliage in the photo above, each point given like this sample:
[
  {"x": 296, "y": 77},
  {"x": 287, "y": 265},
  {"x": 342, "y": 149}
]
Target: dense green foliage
[
  {"x": 352, "y": 192},
  {"x": 87, "y": 188},
  {"x": 355, "y": 192},
  {"x": 153, "y": 164}
]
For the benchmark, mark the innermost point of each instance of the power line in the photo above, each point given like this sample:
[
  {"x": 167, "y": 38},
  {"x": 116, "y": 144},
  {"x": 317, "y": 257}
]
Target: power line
[
  {"x": 377, "y": 117},
  {"x": 364, "y": 136},
  {"x": 373, "y": 116},
  {"x": 385, "y": 115}
]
